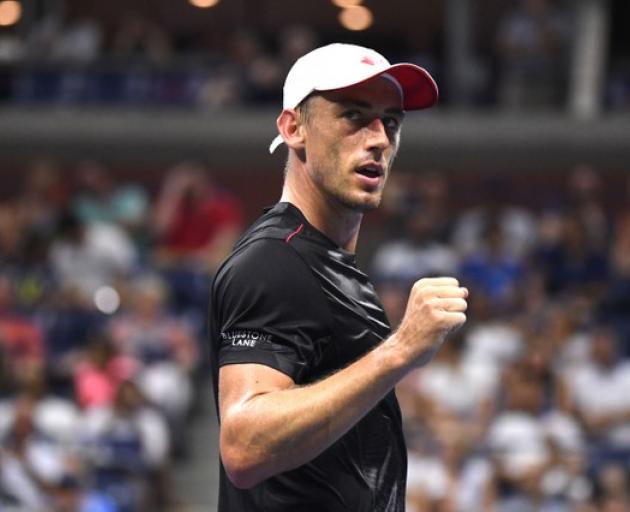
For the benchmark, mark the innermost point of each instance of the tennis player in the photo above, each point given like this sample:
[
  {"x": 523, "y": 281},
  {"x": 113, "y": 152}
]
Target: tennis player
[{"x": 304, "y": 361}]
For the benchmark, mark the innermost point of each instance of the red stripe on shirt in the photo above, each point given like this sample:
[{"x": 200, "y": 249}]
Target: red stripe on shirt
[{"x": 296, "y": 232}]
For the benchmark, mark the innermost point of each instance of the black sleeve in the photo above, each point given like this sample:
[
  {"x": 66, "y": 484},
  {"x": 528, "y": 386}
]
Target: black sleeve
[{"x": 268, "y": 308}]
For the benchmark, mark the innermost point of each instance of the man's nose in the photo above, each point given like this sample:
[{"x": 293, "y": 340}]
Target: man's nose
[{"x": 378, "y": 138}]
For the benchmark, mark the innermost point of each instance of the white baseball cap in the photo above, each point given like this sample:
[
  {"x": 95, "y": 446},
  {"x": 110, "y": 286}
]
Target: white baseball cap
[{"x": 339, "y": 65}]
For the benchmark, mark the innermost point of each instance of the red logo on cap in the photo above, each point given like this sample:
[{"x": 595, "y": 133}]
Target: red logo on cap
[{"x": 367, "y": 60}]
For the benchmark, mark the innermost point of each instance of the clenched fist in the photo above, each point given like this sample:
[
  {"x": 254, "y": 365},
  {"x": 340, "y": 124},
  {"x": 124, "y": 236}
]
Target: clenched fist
[{"x": 435, "y": 307}]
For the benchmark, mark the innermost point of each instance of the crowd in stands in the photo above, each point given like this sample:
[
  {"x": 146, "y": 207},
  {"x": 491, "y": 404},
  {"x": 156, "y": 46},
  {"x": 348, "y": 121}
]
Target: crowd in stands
[
  {"x": 523, "y": 64},
  {"x": 527, "y": 408},
  {"x": 103, "y": 297}
]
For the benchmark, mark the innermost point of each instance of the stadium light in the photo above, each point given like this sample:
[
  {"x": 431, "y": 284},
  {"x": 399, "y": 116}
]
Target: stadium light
[
  {"x": 347, "y": 3},
  {"x": 204, "y": 4},
  {"x": 10, "y": 12},
  {"x": 356, "y": 18}
]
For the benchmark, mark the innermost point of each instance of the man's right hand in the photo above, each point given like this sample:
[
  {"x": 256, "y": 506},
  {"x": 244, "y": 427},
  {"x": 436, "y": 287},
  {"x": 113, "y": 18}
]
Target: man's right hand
[{"x": 435, "y": 307}]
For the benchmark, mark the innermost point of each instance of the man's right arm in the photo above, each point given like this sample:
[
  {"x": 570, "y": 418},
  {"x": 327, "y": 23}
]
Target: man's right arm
[{"x": 270, "y": 425}]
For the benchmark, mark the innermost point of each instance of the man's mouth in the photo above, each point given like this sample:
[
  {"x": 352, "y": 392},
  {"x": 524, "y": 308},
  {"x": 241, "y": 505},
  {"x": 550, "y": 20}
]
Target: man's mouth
[{"x": 371, "y": 170}]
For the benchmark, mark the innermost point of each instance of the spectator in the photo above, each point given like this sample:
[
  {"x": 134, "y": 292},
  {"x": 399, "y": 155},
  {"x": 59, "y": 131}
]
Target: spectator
[
  {"x": 418, "y": 205},
  {"x": 531, "y": 44},
  {"x": 54, "y": 416},
  {"x": 492, "y": 271},
  {"x": 406, "y": 193},
  {"x": 44, "y": 37},
  {"x": 571, "y": 264},
  {"x": 222, "y": 89},
  {"x": 260, "y": 71},
  {"x": 615, "y": 303},
  {"x": 45, "y": 194},
  {"x": 415, "y": 255},
  {"x": 454, "y": 395},
  {"x": 20, "y": 336},
  {"x": 450, "y": 480},
  {"x": 599, "y": 396},
  {"x": 585, "y": 202},
  {"x": 493, "y": 341},
  {"x": 517, "y": 226},
  {"x": 295, "y": 41},
  {"x": 531, "y": 447},
  {"x": 80, "y": 42},
  {"x": 69, "y": 322},
  {"x": 85, "y": 258},
  {"x": 612, "y": 484},
  {"x": 164, "y": 348},
  {"x": 195, "y": 220},
  {"x": 128, "y": 446},
  {"x": 98, "y": 377},
  {"x": 19, "y": 481},
  {"x": 99, "y": 199},
  {"x": 138, "y": 36},
  {"x": 33, "y": 465}
]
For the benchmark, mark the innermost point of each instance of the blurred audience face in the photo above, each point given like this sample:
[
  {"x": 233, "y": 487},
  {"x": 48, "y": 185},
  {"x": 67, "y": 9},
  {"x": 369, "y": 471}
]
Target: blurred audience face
[
  {"x": 128, "y": 398},
  {"x": 23, "y": 425},
  {"x": 93, "y": 177},
  {"x": 603, "y": 348},
  {"x": 148, "y": 297},
  {"x": 525, "y": 394}
]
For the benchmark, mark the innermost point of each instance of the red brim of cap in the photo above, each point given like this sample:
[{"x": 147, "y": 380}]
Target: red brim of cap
[{"x": 419, "y": 89}]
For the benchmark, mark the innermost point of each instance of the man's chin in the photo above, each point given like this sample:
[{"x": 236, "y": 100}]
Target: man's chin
[{"x": 362, "y": 205}]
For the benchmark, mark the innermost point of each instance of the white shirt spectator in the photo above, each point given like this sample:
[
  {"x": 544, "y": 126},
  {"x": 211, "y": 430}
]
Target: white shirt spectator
[
  {"x": 518, "y": 229},
  {"x": 429, "y": 476},
  {"x": 105, "y": 253},
  {"x": 458, "y": 388},
  {"x": 493, "y": 344},
  {"x": 149, "y": 423},
  {"x": 518, "y": 441},
  {"x": 601, "y": 392},
  {"x": 402, "y": 260},
  {"x": 16, "y": 482},
  {"x": 521, "y": 441}
]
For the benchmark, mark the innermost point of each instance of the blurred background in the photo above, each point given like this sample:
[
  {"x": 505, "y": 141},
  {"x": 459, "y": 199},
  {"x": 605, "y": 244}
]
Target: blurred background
[{"x": 133, "y": 152}]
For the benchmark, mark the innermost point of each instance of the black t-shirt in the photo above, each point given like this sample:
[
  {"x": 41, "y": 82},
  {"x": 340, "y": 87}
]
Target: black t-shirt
[{"x": 289, "y": 298}]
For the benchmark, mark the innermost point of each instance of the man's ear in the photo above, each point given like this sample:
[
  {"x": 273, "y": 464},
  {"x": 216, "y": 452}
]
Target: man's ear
[{"x": 291, "y": 128}]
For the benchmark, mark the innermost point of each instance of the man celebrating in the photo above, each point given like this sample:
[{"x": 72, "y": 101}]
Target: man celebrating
[{"x": 304, "y": 361}]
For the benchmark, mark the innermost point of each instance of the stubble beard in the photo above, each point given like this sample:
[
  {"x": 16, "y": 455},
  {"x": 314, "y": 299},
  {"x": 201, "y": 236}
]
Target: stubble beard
[
  {"x": 359, "y": 206},
  {"x": 357, "y": 201},
  {"x": 341, "y": 190}
]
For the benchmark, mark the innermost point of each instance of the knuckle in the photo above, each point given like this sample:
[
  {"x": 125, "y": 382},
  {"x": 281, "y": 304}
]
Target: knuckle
[
  {"x": 423, "y": 294},
  {"x": 435, "y": 315},
  {"x": 454, "y": 281},
  {"x": 421, "y": 283},
  {"x": 430, "y": 302}
]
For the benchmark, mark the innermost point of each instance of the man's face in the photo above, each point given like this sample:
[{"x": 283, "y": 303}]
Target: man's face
[{"x": 352, "y": 136}]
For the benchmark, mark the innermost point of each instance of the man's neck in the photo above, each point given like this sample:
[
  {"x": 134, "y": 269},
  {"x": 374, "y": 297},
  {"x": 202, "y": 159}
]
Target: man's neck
[{"x": 334, "y": 220}]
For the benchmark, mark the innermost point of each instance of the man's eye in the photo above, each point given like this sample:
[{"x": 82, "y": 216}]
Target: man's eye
[
  {"x": 391, "y": 123},
  {"x": 352, "y": 115}
]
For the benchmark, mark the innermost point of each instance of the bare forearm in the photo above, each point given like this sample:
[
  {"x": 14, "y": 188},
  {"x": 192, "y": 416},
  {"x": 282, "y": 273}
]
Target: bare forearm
[{"x": 284, "y": 429}]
